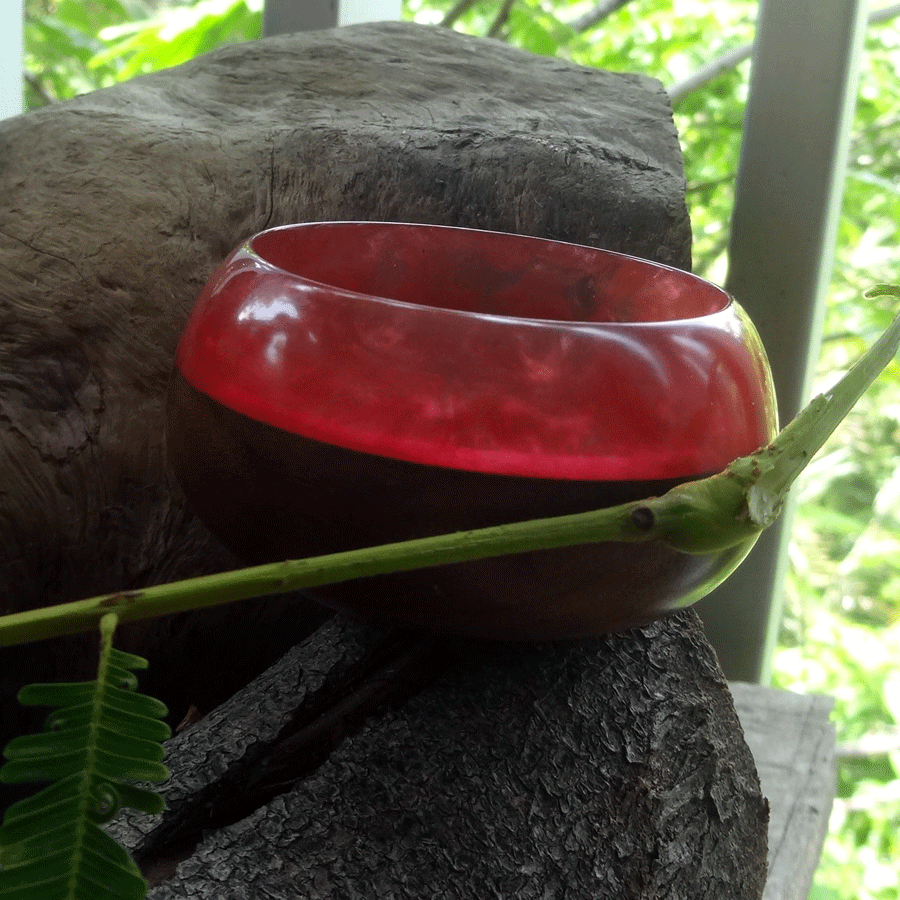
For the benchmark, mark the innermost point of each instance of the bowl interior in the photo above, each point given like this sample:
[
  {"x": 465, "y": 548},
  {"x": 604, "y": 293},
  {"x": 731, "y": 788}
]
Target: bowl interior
[{"x": 487, "y": 272}]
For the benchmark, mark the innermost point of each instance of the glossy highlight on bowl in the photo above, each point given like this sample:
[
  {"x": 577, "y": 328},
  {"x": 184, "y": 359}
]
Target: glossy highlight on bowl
[{"x": 346, "y": 384}]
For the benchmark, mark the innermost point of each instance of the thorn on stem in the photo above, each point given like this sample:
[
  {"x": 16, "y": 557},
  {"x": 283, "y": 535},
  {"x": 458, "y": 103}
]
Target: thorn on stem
[{"x": 642, "y": 518}]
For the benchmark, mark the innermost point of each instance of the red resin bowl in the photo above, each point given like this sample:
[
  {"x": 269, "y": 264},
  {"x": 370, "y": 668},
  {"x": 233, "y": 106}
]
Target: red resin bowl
[{"x": 346, "y": 384}]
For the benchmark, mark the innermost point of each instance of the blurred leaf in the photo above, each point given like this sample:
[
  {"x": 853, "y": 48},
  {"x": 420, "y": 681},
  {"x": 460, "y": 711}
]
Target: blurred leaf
[{"x": 179, "y": 34}]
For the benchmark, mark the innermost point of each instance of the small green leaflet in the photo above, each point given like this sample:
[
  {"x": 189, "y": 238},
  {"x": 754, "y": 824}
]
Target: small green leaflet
[{"x": 101, "y": 735}]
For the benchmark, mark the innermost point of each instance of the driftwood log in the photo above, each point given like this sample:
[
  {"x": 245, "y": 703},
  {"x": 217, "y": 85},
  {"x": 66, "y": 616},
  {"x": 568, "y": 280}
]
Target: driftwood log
[
  {"x": 117, "y": 206},
  {"x": 522, "y": 772},
  {"x": 612, "y": 769}
]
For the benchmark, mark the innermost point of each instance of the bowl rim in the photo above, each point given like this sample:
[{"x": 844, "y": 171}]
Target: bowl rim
[{"x": 728, "y": 301}]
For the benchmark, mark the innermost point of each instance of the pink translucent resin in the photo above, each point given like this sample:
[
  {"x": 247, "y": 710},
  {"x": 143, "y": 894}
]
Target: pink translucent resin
[{"x": 481, "y": 351}]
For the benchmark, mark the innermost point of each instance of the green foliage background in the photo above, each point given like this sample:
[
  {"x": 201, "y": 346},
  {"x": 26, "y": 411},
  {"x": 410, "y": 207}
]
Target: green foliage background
[{"x": 841, "y": 629}]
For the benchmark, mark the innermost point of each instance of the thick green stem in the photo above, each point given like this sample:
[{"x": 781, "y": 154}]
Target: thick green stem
[
  {"x": 702, "y": 516},
  {"x": 804, "y": 436},
  {"x": 226, "y": 587}
]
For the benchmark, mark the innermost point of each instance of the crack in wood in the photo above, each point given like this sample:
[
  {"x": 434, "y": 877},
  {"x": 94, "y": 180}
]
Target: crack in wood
[{"x": 396, "y": 671}]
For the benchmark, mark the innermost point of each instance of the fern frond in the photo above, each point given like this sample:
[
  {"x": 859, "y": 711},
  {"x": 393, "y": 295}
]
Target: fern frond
[{"x": 101, "y": 735}]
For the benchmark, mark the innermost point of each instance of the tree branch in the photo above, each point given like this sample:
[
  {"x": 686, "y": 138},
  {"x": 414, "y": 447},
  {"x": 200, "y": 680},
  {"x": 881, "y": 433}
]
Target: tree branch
[
  {"x": 35, "y": 84},
  {"x": 697, "y": 186},
  {"x": 737, "y": 55},
  {"x": 458, "y": 9},
  {"x": 601, "y": 11},
  {"x": 883, "y": 14},
  {"x": 711, "y": 70},
  {"x": 500, "y": 19}
]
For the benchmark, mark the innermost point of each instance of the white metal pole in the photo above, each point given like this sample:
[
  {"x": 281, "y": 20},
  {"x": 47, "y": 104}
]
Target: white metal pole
[
  {"x": 351, "y": 12},
  {"x": 11, "y": 59},
  {"x": 796, "y": 133},
  {"x": 285, "y": 16}
]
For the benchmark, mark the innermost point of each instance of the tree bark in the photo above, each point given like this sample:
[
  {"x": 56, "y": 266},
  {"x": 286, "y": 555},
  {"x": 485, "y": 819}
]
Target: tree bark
[{"x": 609, "y": 770}]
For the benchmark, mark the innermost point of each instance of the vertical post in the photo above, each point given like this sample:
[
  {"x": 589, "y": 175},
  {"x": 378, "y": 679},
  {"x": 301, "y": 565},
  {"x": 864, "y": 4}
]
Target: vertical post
[
  {"x": 796, "y": 133},
  {"x": 285, "y": 16},
  {"x": 352, "y": 12},
  {"x": 11, "y": 59}
]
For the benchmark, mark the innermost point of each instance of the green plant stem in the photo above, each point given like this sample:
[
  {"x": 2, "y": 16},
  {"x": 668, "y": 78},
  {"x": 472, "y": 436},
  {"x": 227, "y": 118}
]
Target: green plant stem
[
  {"x": 703, "y": 516},
  {"x": 292, "y": 575}
]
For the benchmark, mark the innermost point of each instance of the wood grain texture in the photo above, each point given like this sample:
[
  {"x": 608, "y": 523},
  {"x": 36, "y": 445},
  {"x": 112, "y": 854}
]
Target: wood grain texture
[
  {"x": 607, "y": 769},
  {"x": 793, "y": 743},
  {"x": 118, "y": 205},
  {"x": 613, "y": 768}
]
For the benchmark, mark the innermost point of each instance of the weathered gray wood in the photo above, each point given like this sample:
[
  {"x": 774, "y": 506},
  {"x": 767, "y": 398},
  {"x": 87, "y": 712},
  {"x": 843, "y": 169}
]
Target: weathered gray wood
[
  {"x": 612, "y": 768},
  {"x": 212, "y": 762},
  {"x": 793, "y": 743},
  {"x": 118, "y": 205},
  {"x": 597, "y": 771}
]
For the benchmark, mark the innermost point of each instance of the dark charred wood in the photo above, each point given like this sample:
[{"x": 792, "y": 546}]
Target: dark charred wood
[{"x": 605, "y": 769}]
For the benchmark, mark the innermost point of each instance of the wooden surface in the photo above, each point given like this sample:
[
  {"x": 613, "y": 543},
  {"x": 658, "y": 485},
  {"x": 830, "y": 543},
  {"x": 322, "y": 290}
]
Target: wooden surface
[
  {"x": 793, "y": 744},
  {"x": 118, "y": 205},
  {"x": 790, "y": 736},
  {"x": 370, "y": 762},
  {"x": 609, "y": 769}
]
